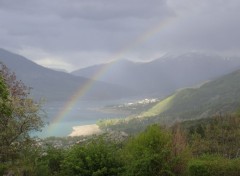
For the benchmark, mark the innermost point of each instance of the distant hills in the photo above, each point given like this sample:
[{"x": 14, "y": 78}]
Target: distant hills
[
  {"x": 220, "y": 96},
  {"x": 123, "y": 79},
  {"x": 57, "y": 86},
  {"x": 163, "y": 76}
]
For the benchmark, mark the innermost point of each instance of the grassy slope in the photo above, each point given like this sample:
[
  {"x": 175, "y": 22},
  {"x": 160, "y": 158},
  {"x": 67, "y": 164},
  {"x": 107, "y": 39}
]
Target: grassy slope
[
  {"x": 159, "y": 108},
  {"x": 219, "y": 96}
]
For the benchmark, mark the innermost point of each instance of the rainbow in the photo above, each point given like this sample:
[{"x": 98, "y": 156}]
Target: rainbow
[{"x": 83, "y": 89}]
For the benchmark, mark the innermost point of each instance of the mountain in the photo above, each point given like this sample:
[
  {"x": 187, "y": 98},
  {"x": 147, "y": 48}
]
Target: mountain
[
  {"x": 56, "y": 85},
  {"x": 221, "y": 95},
  {"x": 165, "y": 75}
]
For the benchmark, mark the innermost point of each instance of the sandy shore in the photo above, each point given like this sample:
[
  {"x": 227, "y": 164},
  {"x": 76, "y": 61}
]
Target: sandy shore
[{"x": 85, "y": 130}]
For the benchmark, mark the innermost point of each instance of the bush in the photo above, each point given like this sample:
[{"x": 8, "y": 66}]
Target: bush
[
  {"x": 49, "y": 163},
  {"x": 151, "y": 153},
  {"x": 3, "y": 168},
  {"x": 96, "y": 158},
  {"x": 214, "y": 166}
]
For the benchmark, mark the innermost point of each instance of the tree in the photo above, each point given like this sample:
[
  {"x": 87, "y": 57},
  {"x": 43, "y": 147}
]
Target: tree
[
  {"x": 150, "y": 153},
  {"x": 221, "y": 136},
  {"x": 20, "y": 115},
  {"x": 49, "y": 162},
  {"x": 96, "y": 158},
  {"x": 4, "y": 100}
]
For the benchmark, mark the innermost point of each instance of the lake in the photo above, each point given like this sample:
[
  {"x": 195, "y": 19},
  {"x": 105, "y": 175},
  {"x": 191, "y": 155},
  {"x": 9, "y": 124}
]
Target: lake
[{"x": 83, "y": 113}]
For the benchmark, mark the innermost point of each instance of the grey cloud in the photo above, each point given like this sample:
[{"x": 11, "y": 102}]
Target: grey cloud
[
  {"x": 50, "y": 27},
  {"x": 112, "y": 9},
  {"x": 93, "y": 10},
  {"x": 201, "y": 25},
  {"x": 84, "y": 32}
]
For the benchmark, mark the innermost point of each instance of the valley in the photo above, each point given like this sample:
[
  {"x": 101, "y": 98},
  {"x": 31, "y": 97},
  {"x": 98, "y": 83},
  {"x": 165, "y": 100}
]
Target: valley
[
  {"x": 68, "y": 105},
  {"x": 119, "y": 88}
]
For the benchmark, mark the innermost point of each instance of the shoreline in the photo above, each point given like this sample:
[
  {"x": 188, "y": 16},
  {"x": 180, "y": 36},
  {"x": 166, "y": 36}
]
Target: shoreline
[{"x": 85, "y": 130}]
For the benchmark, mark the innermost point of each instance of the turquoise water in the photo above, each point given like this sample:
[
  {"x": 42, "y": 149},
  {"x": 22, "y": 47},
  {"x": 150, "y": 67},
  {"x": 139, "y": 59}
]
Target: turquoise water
[{"x": 83, "y": 113}]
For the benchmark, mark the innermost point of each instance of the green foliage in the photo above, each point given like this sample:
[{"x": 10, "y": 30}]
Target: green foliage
[
  {"x": 19, "y": 116},
  {"x": 156, "y": 151},
  {"x": 221, "y": 135},
  {"x": 96, "y": 158},
  {"x": 214, "y": 166},
  {"x": 5, "y": 109},
  {"x": 50, "y": 161},
  {"x": 3, "y": 168},
  {"x": 160, "y": 107},
  {"x": 150, "y": 153},
  {"x": 219, "y": 96},
  {"x": 129, "y": 125},
  {"x": 26, "y": 164}
]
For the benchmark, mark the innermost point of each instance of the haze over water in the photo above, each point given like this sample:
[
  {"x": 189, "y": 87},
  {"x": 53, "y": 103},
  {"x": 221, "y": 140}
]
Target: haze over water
[{"x": 83, "y": 113}]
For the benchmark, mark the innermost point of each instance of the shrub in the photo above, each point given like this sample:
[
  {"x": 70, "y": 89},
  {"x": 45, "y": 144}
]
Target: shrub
[
  {"x": 96, "y": 158},
  {"x": 151, "y": 153},
  {"x": 214, "y": 166}
]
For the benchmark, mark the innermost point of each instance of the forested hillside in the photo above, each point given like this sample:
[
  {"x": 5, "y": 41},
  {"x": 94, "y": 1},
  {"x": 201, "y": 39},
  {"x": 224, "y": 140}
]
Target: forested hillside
[
  {"x": 193, "y": 148},
  {"x": 221, "y": 95}
]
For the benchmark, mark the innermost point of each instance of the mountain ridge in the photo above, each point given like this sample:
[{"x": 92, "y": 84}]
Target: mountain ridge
[
  {"x": 57, "y": 85},
  {"x": 219, "y": 96},
  {"x": 161, "y": 77}
]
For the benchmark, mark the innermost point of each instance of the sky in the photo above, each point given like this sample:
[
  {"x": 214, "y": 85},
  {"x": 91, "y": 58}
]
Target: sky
[{"x": 72, "y": 34}]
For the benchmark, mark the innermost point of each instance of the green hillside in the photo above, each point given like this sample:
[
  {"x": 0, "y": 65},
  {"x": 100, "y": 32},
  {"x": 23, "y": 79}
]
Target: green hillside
[
  {"x": 218, "y": 96},
  {"x": 159, "y": 108}
]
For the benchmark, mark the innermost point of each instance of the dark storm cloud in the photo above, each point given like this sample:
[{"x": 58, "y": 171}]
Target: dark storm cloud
[
  {"x": 75, "y": 21},
  {"x": 84, "y": 32}
]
